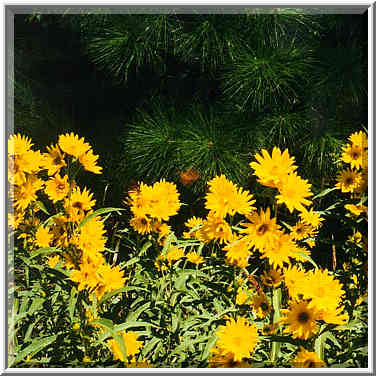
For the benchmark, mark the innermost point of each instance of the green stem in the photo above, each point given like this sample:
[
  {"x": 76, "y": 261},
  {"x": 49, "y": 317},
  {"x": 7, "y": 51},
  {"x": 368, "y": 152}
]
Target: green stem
[{"x": 276, "y": 346}]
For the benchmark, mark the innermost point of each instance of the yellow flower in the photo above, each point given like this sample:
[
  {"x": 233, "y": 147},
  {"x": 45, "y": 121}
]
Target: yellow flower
[
  {"x": 311, "y": 242},
  {"x": 355, "y": 155},
  {"x": 300, "y": 320},
  {"x": 334, "y": 316},
  {"x": 86, "y": 276},
  {"x": 142, "y": 225},
  {"x": 159, "y": 201},
  {"x": 348, "y": 180},
  {"x": 361, "y": 299},
  {"x": 356, "y": 238},
  {"x": 194, "y": 225},
  {"x": 109, "y": 279},
  {"x": 272, "y": 278},
  {"x": 216, "y": 228},
  {"x": 263, "y": 230},
  {"x": 73, "y": 145},
  {"x": 356, "y": 210},
  {"x": 43, "y": 237},
  {"x": 237, "y": 252},
  {"x": 241, "y": 296},
  {"x": 25, "y": 194},
  {"x": 300, "y": 231},
  {"x": 89, "y": 162},
  {"x": 18, "y": 144},
  {"x": 174, "y": 254},
  {"x": 294, "y": 278},
  {"x": 359, "y": 139},
  {"x": 53, "y": 160},
  {"x": 77, "y": 203},
  {"x": 220, "y": 359},
  {"x": 225, "y": 197},
  {"x": 57, "y": 188},
  {"x": 195, "y": 258},
  {"x": 163, "y": 229},
  {"x": 194, "y": 222},
  {"x": 323, "y": 290},
  {"x": 86, "y": 359},
  {"x": 237, "y": 339},
  {"x": 76, "y": 326},
  {"x": 261, "y": 306},
  {"x": 165, "y": 202},
  {"x": 271, "y": 170},
  {"x": 307, "y": 359},
  {"x": 91, "y": 238},
  {"x": 300, "y": 253},
  {"x": 293, "y": 192},
  {"x": 21, "y": 159},
  {"x": 309, "y": 217},
  {"x": 53, "y": 261},
  {"x": 131, "y": 344},
  {"x": 15, "y": 219},
  {"x": 280, "y": 251}
]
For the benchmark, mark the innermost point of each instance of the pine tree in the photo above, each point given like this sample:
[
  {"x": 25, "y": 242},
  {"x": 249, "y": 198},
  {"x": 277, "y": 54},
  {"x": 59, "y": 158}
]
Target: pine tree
[{"x": 207, "y": 91}]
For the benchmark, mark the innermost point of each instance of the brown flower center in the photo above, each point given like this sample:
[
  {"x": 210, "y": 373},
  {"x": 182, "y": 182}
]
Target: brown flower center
[
  {"x": 264, "y": 306},
  {"x": 303, "y": 317},
  {"x": 262, "y": 229},
  {"x": 57, "y": 160},
  {"x": 77, "y": 205},
  {"x": 61, "y": 186},
  {"x": 144, "y": 221},
  {"x": 349, "y": 180}
]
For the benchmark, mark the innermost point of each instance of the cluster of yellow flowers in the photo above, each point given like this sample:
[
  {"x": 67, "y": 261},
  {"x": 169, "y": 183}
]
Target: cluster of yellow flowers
[
  {"x": 314, "y": 295},
  {"x": 261, "y": 233},
  {"x": 151, "y": 205},
  {"x": 49, "y": 175},
  {"x": 354, "y": 179}
]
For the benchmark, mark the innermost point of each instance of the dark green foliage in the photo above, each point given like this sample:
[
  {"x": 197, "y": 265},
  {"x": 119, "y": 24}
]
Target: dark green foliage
[
  {"x": 164, "y": 143},
  {"x": 128, "y": 42},
  {"x": 265, "y": 78}
]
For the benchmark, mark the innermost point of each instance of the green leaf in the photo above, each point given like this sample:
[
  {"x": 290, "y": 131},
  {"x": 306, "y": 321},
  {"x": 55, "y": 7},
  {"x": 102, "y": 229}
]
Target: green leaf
[
  {"x": 324, "y": 193},
  {"x": 331, "y": 337},
  {"x": 149, "y": 346},
  {"x": 44, "y": 251},
  {"x": 107, "y": 323},
  {"x": 320, "y": 345},
  {"x": 42, "y": 207},
  {"x": 133, "y": 324},
  {"x": 144, "y": 248},
  {"x": 308, "y": 258},
  {"x": 96, "y": 214},
  {"x": 133, "y": 315},
  {"x": 209, "y": 345},
  {"x": 50, "y": 220},
  {"x": 37, "y": 345},
  {"x": 35, "y": 305},
  {"x": 132, "y": 261},
  {"x": 72, "y": 302}
]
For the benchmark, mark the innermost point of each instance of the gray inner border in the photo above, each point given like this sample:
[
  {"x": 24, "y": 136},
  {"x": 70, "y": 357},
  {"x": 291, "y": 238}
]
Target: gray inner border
[
  {"x": 189, "y": 9},
  {"x": 11, "y": 10}
]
